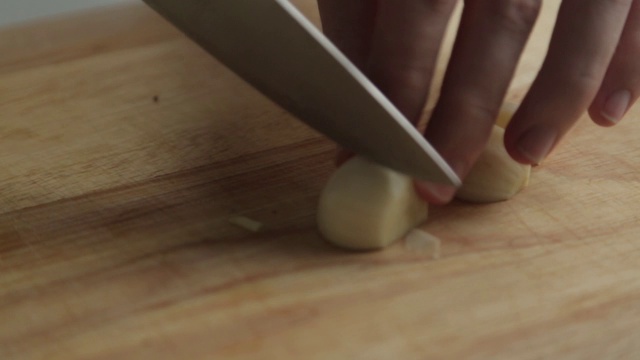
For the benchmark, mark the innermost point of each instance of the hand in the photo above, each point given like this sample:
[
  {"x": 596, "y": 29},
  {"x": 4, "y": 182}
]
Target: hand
[{"x": 593, "y": 63}]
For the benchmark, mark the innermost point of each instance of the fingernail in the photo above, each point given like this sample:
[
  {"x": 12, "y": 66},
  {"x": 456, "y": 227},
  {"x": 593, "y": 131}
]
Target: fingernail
[
  {"x": 536, "y": 143},
  {"x": 436, "y": 193},
  {"x": 616, "y": 105}
]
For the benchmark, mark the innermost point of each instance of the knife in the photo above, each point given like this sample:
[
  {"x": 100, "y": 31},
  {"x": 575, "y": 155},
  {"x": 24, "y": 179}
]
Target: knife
[{"x": 272, "y": 46}]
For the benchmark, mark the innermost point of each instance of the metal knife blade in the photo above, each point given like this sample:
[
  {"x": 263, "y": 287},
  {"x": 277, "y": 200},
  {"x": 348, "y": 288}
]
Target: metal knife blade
[{"x": 271, "y": 45}]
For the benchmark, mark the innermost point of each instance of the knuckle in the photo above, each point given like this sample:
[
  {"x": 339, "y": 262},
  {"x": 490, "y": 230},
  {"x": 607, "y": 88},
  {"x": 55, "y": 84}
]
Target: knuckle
[
  {"x": 623, "y": 3},
  {"x": 586, "y": 74},
  {"x": 581, "y": 82},
  {"x": 586, "y": 83},
  {"x": 483, "y": 111},
  {"x": 440, "y": 6},
  {"x": 406, "y": 79},
  {"x": 519, "y": 15}
]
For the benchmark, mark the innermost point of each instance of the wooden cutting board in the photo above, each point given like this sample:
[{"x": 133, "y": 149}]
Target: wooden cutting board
[{"x": 125, "y": 150}]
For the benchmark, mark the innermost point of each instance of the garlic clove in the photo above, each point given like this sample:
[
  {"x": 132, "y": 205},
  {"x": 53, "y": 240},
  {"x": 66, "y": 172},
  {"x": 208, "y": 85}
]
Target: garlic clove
[{"x": 368, "y": 206}]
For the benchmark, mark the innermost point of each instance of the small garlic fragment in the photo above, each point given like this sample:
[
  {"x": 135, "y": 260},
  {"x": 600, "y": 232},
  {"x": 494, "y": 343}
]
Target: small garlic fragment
[{"x": 422, "y": 242}]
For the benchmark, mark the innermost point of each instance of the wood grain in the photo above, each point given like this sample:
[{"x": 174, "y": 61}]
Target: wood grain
[{"x": 125, "y": 149}]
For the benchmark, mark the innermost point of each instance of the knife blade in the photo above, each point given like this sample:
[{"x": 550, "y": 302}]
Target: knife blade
[{"x": 272, "y": 46}]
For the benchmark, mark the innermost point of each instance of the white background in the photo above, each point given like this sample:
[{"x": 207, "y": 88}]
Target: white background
[{"x": 16, "y": 11}]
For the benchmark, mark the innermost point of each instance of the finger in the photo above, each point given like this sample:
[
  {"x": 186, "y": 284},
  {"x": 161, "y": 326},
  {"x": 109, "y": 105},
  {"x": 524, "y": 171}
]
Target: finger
[
  {"x": 490, "y": 40},
  {"x": 580, "y": 51},
  {"x": 621, "y": 85},
  {"x": 349, "y": 25},
  {"x": 405, "y": 45}
]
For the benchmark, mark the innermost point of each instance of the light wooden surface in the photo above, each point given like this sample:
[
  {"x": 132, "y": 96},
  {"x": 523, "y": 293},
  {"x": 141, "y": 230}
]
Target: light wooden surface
[{"x": 115, "y": 241}]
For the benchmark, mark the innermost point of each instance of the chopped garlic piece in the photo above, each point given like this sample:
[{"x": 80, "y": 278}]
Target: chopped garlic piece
[
  {"x": 366, "y": 206},
  {"x": 420, "y": 241},
  {"x": 246, "y": 223}
]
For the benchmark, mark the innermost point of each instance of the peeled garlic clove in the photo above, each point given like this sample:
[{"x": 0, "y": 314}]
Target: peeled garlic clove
[
  {"x": 495, "y": 176},
  {"x": 368, "y": 206},
  {"x": 506, "y": 113}
]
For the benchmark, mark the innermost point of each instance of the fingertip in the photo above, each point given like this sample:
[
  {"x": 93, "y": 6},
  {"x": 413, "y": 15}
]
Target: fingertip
[
  {"x": 436, "y": 194},
  {"x": 612, "y": 109},
  {"x": 509, "y": 142},
  {"x": 528, "y": 147},
  {"x": 517, "y": 155},
  {"x": 598, "y": 118}
]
